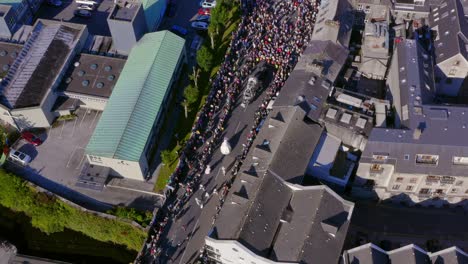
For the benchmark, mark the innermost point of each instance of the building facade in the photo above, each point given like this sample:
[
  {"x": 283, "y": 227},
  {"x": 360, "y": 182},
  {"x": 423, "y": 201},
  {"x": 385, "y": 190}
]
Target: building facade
[
  {"x": 127, "y": 25},
  {"x": 129, "y": 126},
  {"x": 47, "y": 54},
  {"x": 15, "y": 13}
]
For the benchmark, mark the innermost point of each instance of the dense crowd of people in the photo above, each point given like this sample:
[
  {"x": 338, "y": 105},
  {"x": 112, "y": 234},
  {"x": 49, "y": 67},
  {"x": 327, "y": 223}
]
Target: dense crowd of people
[{"x": 275, "y": 32}]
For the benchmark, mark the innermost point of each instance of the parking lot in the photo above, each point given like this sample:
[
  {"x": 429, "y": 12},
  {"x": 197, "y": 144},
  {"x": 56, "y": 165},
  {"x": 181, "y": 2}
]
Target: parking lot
[
  {"x": 97, "y": 23},
  {"x": 61, "y": 156}
]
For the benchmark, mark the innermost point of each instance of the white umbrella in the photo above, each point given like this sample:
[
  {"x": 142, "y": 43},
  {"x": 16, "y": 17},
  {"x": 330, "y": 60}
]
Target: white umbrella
[{"x": 225, "y": 147}]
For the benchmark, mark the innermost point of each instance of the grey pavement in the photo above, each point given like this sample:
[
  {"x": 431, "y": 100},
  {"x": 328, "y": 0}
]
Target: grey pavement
[{"x": 57, "y": 164}]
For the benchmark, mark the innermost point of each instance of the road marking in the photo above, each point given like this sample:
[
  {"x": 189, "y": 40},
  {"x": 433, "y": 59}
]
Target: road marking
[
  {"x": 81, "y": 161},
  {"x": 71, "y": 156},
  {"x": 94, "y": 119},
  {"x": 82, "y": 118},
  {"x": 237, "y": 127},
  {"x": 216, "y": 177},
  {"x": 191, "y": 235},
  {"x": 74, "y": 126},
  {"x": 61, "y": 131}
]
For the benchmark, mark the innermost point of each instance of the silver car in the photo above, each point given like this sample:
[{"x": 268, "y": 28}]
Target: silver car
[{"x": 19, "y": 157}]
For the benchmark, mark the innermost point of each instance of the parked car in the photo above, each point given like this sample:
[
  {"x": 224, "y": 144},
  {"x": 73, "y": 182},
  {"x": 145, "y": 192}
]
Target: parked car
[
  {"x": 200, "y": 25},
  {"x": 171, "y": 10},
  {"x": 196, "y": 43},
  {"x": 204, "y": 18},
  {"x": 204, "y": 11},
  {"x": 55, "y": 3},
  {"x": 83, "y": 13},
  {"x": 31, "y": 138},
  {"x": 208, "y": 3},
  {"x": 179, "y": 30},
  {"x": 19, "y": 157},
  {"x": 86, "y": 7}
]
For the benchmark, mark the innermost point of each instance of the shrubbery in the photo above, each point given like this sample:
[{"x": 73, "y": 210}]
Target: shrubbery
[{"x": 51, "y": 215}]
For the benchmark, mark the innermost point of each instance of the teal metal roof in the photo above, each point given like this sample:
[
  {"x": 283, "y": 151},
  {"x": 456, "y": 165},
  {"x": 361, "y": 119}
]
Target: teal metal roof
[
  {"x": 13, "y": 3},
  {"x": 154, "y": 12},
  {"x": 133, "y": 107}
]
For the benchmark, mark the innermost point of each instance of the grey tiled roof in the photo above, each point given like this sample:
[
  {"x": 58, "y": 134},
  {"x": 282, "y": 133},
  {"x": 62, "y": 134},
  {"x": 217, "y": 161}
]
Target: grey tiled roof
[
  {"x": 409, "y": 254},
  {"x": 267, "y": 215},
  {"x": 366, "y": 254},
  {"x": 452, "y": 29},
  {"x": 442, "y": 126}
]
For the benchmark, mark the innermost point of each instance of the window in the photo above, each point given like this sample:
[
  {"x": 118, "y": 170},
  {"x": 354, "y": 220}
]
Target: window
[
  {"x": 427, "y": 159},
  {"x": 396, "y": 187},
  {"x": 409, "y": 187},
  {"x": 453, "y": 71},
  {"x": 413, "y": 180},
  {"x": 376, "y": 168},
  {"x": 454, "y": 190},
  {"x": 399, "y": 179},
  {"x": 406, "y": 156},
  {"x": 380, "y": 157},
  {"x": 466, "y": 191},
  {"x": 425, "y": 191},
  {"x": 459, "y": 183},
  {"x": 448, "y": 81},
  {"x": 457, "y": 160}
]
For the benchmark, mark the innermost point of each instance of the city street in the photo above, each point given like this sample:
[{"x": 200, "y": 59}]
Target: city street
[{"x": 195, "y": 223}]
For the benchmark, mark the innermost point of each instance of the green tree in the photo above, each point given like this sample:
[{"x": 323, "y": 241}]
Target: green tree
[
  {"x": 167, "y": 157},
  {"x": 219, "y": 17},
  {"x": 195, "y": 75},
  {"x": 205, "y": 58},
  {"x": 190, "y": 97}
]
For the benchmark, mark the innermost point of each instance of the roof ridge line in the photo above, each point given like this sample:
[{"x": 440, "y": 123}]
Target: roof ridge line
[
  {"x": 139, "y": 94},
  {"x": 133, "y": 108}
]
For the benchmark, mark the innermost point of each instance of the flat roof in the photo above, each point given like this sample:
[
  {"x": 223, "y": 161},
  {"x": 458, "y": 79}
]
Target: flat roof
[
  {"x": 125, "y": 11},
  {"x": 92, "y": 75},
  {"x": 43, "y": 57}
]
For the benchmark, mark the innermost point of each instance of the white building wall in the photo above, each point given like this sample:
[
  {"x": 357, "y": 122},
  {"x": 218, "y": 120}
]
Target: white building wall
[
  {"x": 417, "y": 188},
  {"x": 120, "y": 168},
  {"x": 455, "y": 68},
  {"x": 90, "y": 102},
  {"x": 231, "y": 251}
]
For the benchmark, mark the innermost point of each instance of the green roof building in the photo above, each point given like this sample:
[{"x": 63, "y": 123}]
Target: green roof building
[{"x": 130, "y": 122}]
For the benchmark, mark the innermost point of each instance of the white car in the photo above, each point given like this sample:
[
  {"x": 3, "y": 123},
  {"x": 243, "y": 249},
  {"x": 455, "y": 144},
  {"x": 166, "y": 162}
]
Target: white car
[
  {"x": 86, "y": 7},
  {"x": 19, "y": 157},
  {"x": 208, "y": 3},
  {"x": 199, "y": 25}
]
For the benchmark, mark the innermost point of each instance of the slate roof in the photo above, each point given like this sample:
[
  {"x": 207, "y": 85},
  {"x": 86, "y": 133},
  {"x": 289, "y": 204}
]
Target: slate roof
[
  {"x": 311, "y": 83},
  {"x": 448, "y": 19},
  {"x": 441, "y": 125},
  {"x": 334, "y": 22},
  {"x": 267, "y": 215},
  {"x": 136, "y": 101},
  {"x": 366, "y": 254},
  {"x": 409, "y": 254}
]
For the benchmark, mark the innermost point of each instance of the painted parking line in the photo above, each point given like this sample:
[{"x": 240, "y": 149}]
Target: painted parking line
[
  {"x": 94, "y": 119},
  {"x": 81, "y": 161},
  {"x": 71, "y": 157},
  {"x": 74, "y": 127},
  {"x": 61, "y": 131},
  {"x": 85, "y": 112}
]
